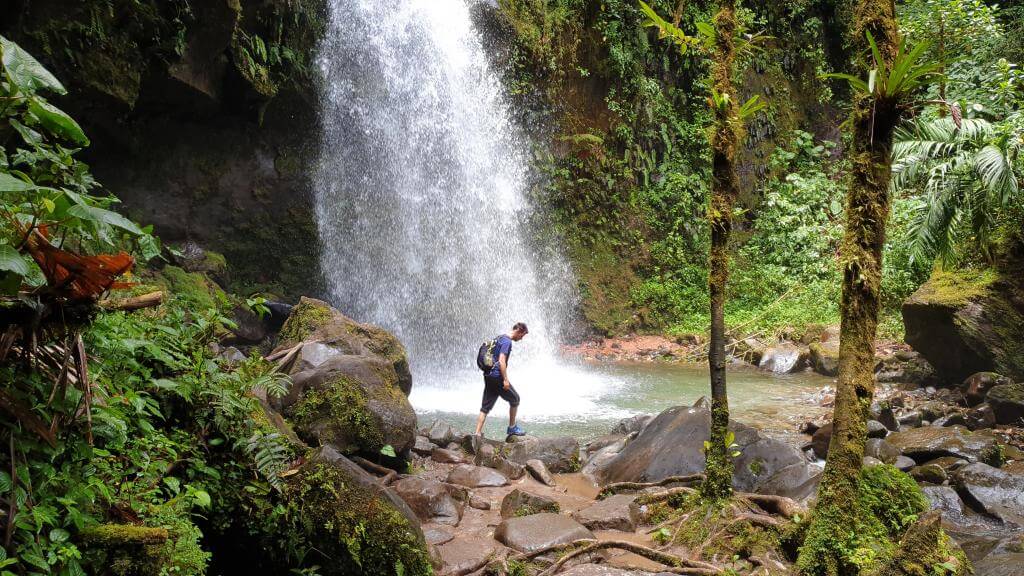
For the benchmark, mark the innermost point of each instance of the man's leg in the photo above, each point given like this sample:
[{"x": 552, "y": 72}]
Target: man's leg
[
  {"x": 480, "y": 422},
  {"x": 512, "y": 415}
]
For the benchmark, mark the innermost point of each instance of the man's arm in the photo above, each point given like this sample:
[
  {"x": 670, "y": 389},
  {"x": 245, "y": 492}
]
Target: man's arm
[{"x": 503, "y": 366}]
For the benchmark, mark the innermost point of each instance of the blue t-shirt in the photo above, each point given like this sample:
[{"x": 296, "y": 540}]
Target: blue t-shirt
[{"x": 503, "y": 345}]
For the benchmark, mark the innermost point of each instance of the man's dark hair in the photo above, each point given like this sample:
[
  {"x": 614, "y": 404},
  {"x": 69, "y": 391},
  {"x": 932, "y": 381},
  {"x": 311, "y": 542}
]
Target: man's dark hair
[{"x": 521, "y": 326}]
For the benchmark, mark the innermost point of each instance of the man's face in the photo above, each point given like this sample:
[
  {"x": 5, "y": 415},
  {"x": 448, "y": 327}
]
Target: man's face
[{"x": 517, "y": 335}]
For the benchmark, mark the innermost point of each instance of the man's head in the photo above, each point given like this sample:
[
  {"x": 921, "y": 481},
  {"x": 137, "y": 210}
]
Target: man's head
[{"x": 518, "y": 331}]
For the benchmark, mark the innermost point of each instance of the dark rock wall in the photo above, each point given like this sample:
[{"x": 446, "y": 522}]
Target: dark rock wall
[{"x": 202, "y": 117}]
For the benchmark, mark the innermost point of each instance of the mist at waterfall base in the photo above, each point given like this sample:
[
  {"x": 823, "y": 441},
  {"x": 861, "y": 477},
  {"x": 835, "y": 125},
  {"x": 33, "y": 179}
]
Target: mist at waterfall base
[{"x": 426, "y": 222}]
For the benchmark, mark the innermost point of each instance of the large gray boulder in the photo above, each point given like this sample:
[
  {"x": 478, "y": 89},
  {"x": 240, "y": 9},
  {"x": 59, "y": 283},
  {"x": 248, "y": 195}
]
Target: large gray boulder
[
  {"x": 531, "y": 533},
  {"x": 522, "y": 503},
  {"x": 975, "y": 388},
  {"x": 930, "y": 442},
  {"x": 783, "y": 358},
  {"x": 350, "y": 382},
  {"x": 995, "y": 492},
  {"x": 1007, "y": 564},
  {"x": 672, "y": 445}
]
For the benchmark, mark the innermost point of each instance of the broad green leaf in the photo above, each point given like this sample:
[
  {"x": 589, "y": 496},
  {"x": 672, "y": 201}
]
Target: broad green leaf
[
  {"x": 30, "y": 136},
  {"x": 25, "y": 71},
  {"x": 872, "y": 80},
  {"x": 59, "y": 535},
  {"x": 55, "y": 120},
  {"x": 95, "y": 214},
  {"x": 202, "y": 498},
  {"x": 12, "y": 261},
  {"x": 49, "y": 204},
  {"x": 10, "y": 183},
  {"x": 388, "y": 450}
]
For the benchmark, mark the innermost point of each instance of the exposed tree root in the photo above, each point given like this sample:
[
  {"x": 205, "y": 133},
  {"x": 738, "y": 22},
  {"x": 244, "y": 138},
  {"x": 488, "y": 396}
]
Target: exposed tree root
[
  {"x": 387, "y": 475},
  {"x": 617, "y": 487},
  {"x": 663, "y": 496},
  {"x": 531, "y": 555},
  {"x": 786, "y": 507},
  {"x": 676, "y": 564}
]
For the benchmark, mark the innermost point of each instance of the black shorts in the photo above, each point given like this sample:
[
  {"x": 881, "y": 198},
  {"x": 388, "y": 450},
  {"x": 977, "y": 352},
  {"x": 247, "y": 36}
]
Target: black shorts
[{"x": 494, "y": 386}]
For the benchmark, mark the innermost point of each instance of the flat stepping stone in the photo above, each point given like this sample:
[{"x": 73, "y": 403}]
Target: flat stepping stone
[
  {"x": 532, "y": 533},
  {"x": 466, "y": 555},
  {"x": 437, "y": 535},
  {"x": 446, "y": 456},
  {"x": 540, "y": 472},
  {"x": 612, "y": 513},
  {"x": 476, "y": 477},
  {"x": 522, "y": 503}
]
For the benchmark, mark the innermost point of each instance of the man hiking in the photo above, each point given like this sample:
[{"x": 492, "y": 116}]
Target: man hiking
[{"x": 496, "y": 382}]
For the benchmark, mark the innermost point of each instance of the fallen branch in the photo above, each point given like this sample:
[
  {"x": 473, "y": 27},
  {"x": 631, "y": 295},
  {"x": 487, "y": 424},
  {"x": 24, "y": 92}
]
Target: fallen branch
[
  {"x": 680, "y": 565},
  {"x": 135, "y": 303},
  {"x": 616, "y": 487}
]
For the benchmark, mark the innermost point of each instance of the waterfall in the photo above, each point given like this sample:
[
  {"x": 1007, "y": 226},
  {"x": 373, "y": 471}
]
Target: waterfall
[{"x": 423, "y": 206}]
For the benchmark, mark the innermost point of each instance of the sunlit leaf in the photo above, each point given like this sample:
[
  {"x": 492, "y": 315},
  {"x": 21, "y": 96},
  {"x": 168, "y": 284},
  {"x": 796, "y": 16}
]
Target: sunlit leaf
[
  {"x": 12, "y": 261},
  {"x": 96, "y": 214},
  {"x": 9, "y": 183}
]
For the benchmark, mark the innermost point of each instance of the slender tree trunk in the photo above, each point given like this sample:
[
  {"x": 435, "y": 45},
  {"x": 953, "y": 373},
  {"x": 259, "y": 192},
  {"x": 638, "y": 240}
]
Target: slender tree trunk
[
  {"x": 867, "y": 210},
  {"x": 724, "y": 192}
]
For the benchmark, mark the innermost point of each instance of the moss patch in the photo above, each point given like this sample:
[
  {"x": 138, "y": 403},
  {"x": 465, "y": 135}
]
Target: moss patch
[
  {"x": 305, "y": 319},
  {"x": 954, "y": 288},
  {"x": 338, "y": 415},
  {"x": 125, "y": 550},
  {"x": 194, "y": 287}
]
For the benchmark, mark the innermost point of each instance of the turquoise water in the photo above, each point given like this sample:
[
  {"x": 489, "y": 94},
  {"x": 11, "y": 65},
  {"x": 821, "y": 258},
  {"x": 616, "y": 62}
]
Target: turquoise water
[{"x": 586, "y": 400}]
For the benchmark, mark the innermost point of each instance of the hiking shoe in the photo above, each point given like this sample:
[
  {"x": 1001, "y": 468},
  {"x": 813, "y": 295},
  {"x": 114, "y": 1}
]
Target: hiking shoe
[{"x": 516, "y": 431}]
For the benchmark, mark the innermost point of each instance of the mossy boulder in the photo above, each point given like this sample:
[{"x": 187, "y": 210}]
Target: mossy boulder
[
  {"x": 350, "y": 524},
  {"x": 194, "y": 287},
  {"x": 1007, "y": 401},
  {"x": 352, "y": 403},
  {"x": 314, "y": 320},
  {"x": 924, "y": 550},
  {"x": 968, "y": 321}
]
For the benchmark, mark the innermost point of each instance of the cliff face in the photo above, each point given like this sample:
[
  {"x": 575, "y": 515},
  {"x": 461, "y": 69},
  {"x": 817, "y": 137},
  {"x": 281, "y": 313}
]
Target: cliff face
[{"x": 202, "y": 118}]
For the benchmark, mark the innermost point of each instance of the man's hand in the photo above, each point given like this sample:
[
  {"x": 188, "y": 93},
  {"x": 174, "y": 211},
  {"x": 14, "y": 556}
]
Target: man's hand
[{"x": 507, "y": 384}]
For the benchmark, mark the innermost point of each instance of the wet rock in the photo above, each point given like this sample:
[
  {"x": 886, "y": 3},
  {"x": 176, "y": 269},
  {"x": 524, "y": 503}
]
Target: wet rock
[
  {"x": 613, "y": 513},
  {"x": 445, "y": 456},
  {"x": 821, "y": 439},
  {"x": 602, "y": 457},
  {"x": 1009, "y": 564},
  {"x": 510, "y": 470},
  {"x": 603, "y": 442},
  {"x": 993, "y": 491},
  {"x": 981, "y": 417},
  {"x": 956, "y": 419},
  {"x": 475, "y": 476},
  {"x": 949, "y": 464},
  {"x": 924, "y": 444},
  {"x": 783, "y": 358},
  {"x": 876, "y": 429},
  {"x": 632, "y": 424},
  {"x": 467, "y": 554},
  {"x": 903, "y": 463},
  {"x": 797, "y": 481},
  {"x": 559, "y": 454},
  {"x": 479, "y": 503},
  {"x": 824, "y": 358},
  {"x": 531, "y": 533},
  {"x": 432, "y": 501},
  {"x": 912, "y": 419},
  {"x": 884, "y": 451},
  {"x": 887, "y": 416},
  {"x": 519, "y": 502},
  {"x": 870, "y": 461},
  {"x": 232, "y": 355},
  {"x": 975, "y": 388},
  {"x": 440, "y": 432},
  {"x": 929, "y": 473},
  {"x": 422, "y": 446},
  {"x": 1007, "y": 401},
  {"x": 540, "y": 472},
  {"x": 933, "y": 410},
  {"x": 437, "y": 535}
]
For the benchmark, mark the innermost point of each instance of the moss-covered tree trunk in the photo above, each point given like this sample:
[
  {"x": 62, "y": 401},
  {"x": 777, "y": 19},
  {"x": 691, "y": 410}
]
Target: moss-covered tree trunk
[
  {"x": 867, "y": 210},
  {"x": 724, "y": 192}
]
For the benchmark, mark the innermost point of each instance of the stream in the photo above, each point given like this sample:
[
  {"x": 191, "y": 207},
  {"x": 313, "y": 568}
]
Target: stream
[{"x": 586, "y": 399}]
